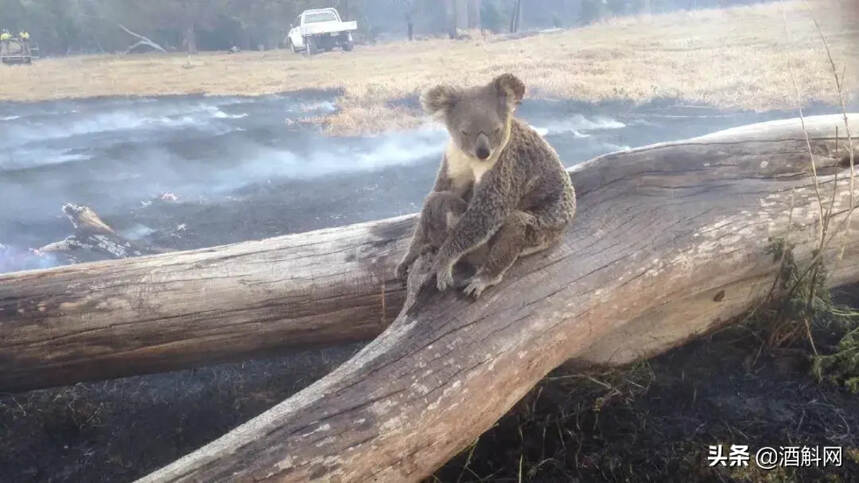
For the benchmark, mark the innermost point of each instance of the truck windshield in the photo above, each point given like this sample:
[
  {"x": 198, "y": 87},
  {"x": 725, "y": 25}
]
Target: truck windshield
[{"x": 320, "y": 17}]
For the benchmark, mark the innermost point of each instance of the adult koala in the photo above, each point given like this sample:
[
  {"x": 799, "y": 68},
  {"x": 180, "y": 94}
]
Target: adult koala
[{"x": 501, "y": 188}]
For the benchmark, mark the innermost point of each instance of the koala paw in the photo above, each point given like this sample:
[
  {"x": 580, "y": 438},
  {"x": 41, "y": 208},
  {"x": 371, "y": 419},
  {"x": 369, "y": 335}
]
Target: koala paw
[{"x": 444, "y": 277}]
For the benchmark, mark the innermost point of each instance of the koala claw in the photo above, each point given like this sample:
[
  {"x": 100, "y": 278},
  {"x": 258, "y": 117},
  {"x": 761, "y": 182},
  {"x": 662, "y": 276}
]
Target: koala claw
[
  {"x": 474, "y": 288},
  {"x": 477, "y": 285}
]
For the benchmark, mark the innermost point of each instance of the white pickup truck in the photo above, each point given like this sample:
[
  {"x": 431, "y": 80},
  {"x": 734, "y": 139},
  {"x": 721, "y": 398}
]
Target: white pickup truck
[{"x": 320, "y": 29}]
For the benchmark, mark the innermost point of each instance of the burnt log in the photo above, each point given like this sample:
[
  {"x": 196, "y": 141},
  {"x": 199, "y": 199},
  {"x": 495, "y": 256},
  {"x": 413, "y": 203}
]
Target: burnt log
[{"x": 92, "y": 240}]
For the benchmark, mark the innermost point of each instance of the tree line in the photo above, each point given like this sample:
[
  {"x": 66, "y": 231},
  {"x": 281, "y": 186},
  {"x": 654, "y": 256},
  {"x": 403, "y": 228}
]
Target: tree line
[{"x": 92, "y": 26}]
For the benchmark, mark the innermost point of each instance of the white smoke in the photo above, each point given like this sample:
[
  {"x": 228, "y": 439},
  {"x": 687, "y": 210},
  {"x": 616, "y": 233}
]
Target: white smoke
[{"x": 578, "y": 125}]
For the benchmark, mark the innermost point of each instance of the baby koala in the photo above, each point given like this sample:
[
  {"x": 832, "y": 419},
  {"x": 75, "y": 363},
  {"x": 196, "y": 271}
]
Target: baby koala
[{"x": 501, "y": 191}]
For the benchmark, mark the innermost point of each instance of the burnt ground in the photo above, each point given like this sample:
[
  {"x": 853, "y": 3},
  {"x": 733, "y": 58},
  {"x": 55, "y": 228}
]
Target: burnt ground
[{"x": 247, "y": 169}]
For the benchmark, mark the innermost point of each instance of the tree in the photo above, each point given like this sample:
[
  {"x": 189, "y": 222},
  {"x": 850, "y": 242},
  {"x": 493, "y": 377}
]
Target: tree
[
  {"x": 474, "y": 18},
  {"x": 514, "y": 18},
  {"x": 450, "y": 14},
  {"x": 410, "y": 9}
]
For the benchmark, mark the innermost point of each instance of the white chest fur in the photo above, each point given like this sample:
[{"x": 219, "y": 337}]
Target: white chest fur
[{"x": 463, "y": 169}]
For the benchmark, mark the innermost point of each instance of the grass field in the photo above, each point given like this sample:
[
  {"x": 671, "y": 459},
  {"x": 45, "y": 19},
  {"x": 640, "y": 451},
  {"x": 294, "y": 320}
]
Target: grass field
[{"x": 732, "y": 58}]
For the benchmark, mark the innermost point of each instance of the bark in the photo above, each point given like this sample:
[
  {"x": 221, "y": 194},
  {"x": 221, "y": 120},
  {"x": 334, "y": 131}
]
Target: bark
[{"x": 670, "y": 241}]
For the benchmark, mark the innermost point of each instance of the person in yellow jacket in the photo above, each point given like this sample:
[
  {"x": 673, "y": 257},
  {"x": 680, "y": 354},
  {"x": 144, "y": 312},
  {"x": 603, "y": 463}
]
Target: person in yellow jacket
[
  {"x": 5, "y": 35},
  {"x": 24, "y": 35}
]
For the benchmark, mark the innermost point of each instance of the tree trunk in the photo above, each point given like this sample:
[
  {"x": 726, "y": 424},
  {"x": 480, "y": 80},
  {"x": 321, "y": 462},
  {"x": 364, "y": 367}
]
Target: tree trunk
[
  {"x": 450, "y": 12},
  {"x": 514, "y": 19},
  {"x": 189, "y": 40},
  {"x": 671, "y": 240},
  {"x": 462, "y": 19},
  {"x": 474, "y": 14}
]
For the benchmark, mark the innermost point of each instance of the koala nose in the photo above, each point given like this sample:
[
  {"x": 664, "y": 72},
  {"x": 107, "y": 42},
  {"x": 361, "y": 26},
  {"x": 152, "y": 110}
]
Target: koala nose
[{"x": 482, "y": 150}]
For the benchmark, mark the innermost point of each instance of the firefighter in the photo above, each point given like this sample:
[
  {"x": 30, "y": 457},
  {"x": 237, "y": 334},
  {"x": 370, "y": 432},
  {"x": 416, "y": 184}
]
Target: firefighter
[
  {"x": 5, "y": 36},
  {"x": 24, "y": 37}
]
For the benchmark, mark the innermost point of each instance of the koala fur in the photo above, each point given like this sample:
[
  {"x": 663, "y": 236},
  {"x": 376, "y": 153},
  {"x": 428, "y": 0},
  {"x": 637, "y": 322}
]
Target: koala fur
[{"x": 516, "y": 195}]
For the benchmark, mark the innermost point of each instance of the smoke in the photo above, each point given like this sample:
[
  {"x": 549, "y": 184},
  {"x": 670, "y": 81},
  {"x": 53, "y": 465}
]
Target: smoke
[
  {"x": 135, "y": 232},
  {"x": 332, "y": 156},
  {"x": 578, "y": 125},
  {"x": 13, "y": 259}
]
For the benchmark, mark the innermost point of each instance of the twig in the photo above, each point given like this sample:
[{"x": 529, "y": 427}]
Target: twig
[
  {"x": 802, "y": 121},
  {"x": 838, "y": 87}
]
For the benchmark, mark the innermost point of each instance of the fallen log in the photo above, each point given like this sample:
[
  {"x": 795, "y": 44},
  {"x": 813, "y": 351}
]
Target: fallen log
[
  {"x": 148, "y": 314},
  {"x": 670, "y": 241}
]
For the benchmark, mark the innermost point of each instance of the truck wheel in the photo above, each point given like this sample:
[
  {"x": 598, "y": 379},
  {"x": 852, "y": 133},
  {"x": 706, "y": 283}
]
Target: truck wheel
[
  {"x": 348, "y": 45},
  {"x": 309, "y": 46}
]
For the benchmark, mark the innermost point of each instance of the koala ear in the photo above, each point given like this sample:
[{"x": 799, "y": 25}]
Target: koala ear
[
  {"x": 510, "y": 88},
  {"x": 439, "y": 99}
]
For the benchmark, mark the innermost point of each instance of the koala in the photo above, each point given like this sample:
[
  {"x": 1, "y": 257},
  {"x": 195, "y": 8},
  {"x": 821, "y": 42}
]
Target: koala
[{"x": 501, "y": 189}]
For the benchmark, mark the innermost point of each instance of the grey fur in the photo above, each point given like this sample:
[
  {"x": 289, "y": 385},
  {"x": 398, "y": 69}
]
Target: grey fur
[{"x": 519, "y": 199}]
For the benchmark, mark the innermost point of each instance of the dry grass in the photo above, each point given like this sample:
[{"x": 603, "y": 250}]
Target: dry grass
[{"x": 731, "y": 58}]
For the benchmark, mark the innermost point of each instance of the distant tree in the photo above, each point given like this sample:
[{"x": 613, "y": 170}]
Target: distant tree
[
  {"x": 591, "y": 11},
  {"x": 516, "y": 16},
  {"x": 450, "y": 13},
  {"x": 617, "y": 7},
  {"x": 409, "y": 9},
  {"x": 492, "y": 17},
  {"x": 474, "y": 17}
]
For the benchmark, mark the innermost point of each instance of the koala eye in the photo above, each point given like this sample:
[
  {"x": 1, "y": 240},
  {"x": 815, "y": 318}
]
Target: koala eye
[
  {"x": 497, "y": 130},
  {"x": 464, "y": 133}
]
